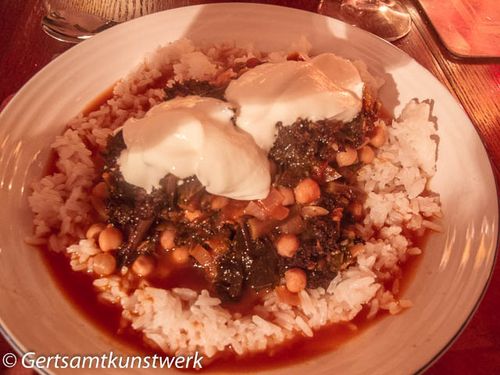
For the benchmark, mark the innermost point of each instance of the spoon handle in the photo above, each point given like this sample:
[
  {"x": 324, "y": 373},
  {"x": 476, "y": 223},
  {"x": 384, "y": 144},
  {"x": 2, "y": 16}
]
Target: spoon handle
[{"x": 74, "y": 29}]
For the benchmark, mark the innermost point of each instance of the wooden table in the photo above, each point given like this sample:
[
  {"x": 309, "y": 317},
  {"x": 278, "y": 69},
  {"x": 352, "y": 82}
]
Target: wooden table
[{"x": 25, "y": 49}]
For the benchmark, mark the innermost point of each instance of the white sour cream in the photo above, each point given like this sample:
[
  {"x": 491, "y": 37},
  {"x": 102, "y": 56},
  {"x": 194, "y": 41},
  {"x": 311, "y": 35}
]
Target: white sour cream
[
  {"x": 325, "y": 87},
  {"x": 194, "y": 136}
]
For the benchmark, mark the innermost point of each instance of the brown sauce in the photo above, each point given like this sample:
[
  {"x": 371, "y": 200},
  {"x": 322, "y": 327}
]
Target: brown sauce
[
  {"x": 295, "y": 351},
  {"x": 78, "y": 289},
  {"x": 99, "y": 100},
  {"x": 410, "y": 267}
]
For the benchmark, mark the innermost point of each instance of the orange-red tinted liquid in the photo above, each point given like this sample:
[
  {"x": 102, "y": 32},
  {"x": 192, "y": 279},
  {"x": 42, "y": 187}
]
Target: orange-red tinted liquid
[{"x": 78, "y": 289}]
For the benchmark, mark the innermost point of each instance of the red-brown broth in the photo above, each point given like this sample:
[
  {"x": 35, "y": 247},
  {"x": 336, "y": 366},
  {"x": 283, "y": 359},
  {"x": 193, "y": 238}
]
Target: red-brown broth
[{"x": 77, "y": 288}]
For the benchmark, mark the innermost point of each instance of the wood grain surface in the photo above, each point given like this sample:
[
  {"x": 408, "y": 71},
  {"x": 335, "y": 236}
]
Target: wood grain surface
[{"x": 25, "y": 49}]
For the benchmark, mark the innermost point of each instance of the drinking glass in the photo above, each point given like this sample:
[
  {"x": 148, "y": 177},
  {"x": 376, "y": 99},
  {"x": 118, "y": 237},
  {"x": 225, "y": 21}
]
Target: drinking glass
[{"x": 385, "y": 18}]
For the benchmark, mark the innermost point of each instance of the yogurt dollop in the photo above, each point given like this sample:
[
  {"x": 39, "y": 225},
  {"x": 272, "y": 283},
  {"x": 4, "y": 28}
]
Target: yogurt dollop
[
  {"x": 325, "y": 87},
  {"x": 194, "y": 136}
]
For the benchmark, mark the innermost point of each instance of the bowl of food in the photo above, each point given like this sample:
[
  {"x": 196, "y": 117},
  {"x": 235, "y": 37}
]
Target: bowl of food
[{"x": 252, "y": 187}]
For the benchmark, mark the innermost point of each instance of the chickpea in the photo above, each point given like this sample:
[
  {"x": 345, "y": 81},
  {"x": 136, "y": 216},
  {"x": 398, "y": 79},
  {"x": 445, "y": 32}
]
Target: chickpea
[
  {"x": 380, "y": 136},
  {"x": 167, "y": 239},
  {"x": 295, "y": 280},
  {"x": 100, "y": 190},
  {"x": 94, "y": 230},
  {"x": 104, "y": 264},
  {"x": 307, "y": 191},
  {"x": 347, "y": 157},
  {"x": 219, "y": 202},
  {"x": 287, "y": 245},
  {"x": 110, "y": 239},
  {"x": 288, "y": 197},
  {"x": 180, "y": 255},
  {"x": 143, "y": 265},
  {"x": 366, "y": 154}
]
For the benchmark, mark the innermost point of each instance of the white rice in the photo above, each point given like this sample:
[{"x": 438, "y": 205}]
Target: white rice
[{"x": 182, "y": 320}]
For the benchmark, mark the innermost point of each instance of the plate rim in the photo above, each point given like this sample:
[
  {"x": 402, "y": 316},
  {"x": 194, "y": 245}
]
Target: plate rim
[{"x": 19, "y": 347}]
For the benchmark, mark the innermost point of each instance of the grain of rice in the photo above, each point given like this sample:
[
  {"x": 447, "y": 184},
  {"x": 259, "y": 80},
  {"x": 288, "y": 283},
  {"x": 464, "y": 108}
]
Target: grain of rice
[
  {"x": 432, "y": 226},
  {"x": 405, "y": 303},
  {"x": 414, "y": 251}
]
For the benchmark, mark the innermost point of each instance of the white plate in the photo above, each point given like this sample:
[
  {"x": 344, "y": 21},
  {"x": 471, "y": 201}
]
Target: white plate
[{"x": 456, "y": 265}]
